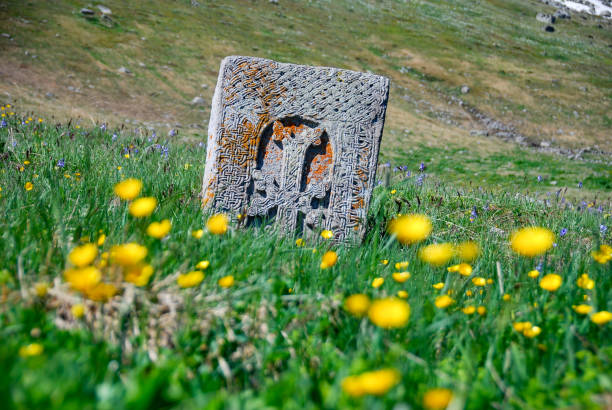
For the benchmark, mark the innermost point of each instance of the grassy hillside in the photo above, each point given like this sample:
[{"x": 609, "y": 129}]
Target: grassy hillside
[{"x": 280, "y": 335}]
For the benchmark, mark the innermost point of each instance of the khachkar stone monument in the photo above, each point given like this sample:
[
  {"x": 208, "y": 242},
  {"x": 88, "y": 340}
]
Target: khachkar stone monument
[{"x": 295, "y": 144}]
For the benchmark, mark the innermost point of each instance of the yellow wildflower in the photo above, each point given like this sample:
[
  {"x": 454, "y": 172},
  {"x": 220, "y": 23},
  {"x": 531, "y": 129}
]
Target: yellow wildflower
[
  {"x": 401, "y": 265},
  {"x": 402, "y": 294},
  {"x": 217, "y": 224},
  {"x": 128, "y": 189},
  {"x": 479, "y": 281},
  {"x": 77, "y": 310},
  {"x": 467, "y": 251},
  {"x": 389, "y": 312},
  {"x": 436, "y": 254},
  {"x": 299, "y": 242},
  {"x": 226, "y": 281},
  {"x": 463, "y": 268},
  {"x": 438, "y": 285},
  {"x": 490, "y": 281},
  {"x": 385, "y": 261},
  {"x": 532, "y": 241},
  {"x": 329, "y": 259},
  {"x": 101, "y": 239},
  {"x": 159, "y": 229},
  {"x": 468, "y": 293},
  {"x": 443, "y": 301},
  {"x": 101, "y": 292},
  {"x": 142, "y": 207},
  {"x": 28, "y": 186},
  {"x": 436, "y": 399},
  {"x": 33, "y": 349},
  {"x": 357, "y": 304},
  {"x": 128, "y": 254},
  {"x": 202, "y": 265},
  {"x": 378, "y": 282},
  {"x": 520, "y": 326},
  {"x": 582, "y": 309},
  {"x": 139, "y": 274},
  {"x": 481, "y": 310},
  {"x": 84, "y": 255},
  {"x": 375, "y": 383},
  {"x": 197, "y": 233},
  {"x": 469, "y": 310},
  {"x": 601, "y": 318},
  {"x": 327, "y": 234},
  {"x": 551, "y": 282},
  {"x": 83, "y": 279},
  {"x": 41, "y": 289},
  {"x": 533, "y": 273},
  {"x": 26, "y": 162},
  {"x": 585, "y": 282},
  {"x": 532, "y": 332},
  {"x": 410, "y": 229},
  {"x": 506, "y": 297},
  {"x": 401, "y": 277},
  {"x": 393, "y": 192},
  {"x": 190, "y": 279}
]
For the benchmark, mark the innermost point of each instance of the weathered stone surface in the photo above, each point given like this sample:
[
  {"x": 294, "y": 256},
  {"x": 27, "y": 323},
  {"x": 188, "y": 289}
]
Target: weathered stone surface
[{"x": 293, "y": 143}]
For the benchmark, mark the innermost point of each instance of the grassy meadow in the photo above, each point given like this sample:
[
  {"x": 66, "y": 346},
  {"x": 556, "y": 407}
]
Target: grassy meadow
[{"x": 280, "y": 335}]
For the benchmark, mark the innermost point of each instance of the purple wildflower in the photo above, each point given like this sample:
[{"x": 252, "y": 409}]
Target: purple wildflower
[
  {"x": 172, "y": 133},
  {"x": 474, "y": 214},
  {"x": 539, "y": 178},
  {"x": 61, "y": 163},
  {"x": 563, "y": 232},
  {"x": 103, "y": 127},
  {"x": 419, "y": 181},
  {"x": 408, "y": 174},
  {"x": 603, "y": 228},
  {"x": 114, "y": 137},
  {"x": 422, "y": 167},
  {"x": 580, "y": 184},
  {"x": 3, "y": 124}
]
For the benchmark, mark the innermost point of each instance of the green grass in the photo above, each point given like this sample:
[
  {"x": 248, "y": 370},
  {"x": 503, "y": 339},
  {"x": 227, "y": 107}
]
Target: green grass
[{"x": 280, "y": 337}]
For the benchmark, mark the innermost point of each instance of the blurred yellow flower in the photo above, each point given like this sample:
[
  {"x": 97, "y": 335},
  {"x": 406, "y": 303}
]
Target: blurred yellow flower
[
  {"x": 467, "y": 251},
  {"x": 159, "y": 229},
  {"x": 437, "y": 399},
  {"x": 438, "y": 285},
  {"x": 128, "y": 189},
  {"x": 532, "y": 332},
  {"x": 410, "y": 229},
  {"x": 299, "y": 242},
  {"x": 327, "y": 234},
  {"x": 375, "y": 383},
  {"x": 468, "y": 293},
  {"x": 506, "y": 297},
  {"x": 357, "y": 304},
  {"x": 101, "y": 239},
  {"x": 191, "y": 279},
  {"x": 533, "y": 273},
  {"x": 479, "y": 281},
  {"x": 28, "y": 186},
  {"x": 401, "y": 265},
  {"x": 83, "y": 279},
  {"x": 41, "y": 289},
  {"x": 582, "y": 309},
  {"x": 603, "y": 255},
  {"x": 329, "y": 259},
  {"x": 402, "y": 294},
  {"x": 551, "y": 282},
  {"x": 469, "y": 310},
  {"x": 197, "y": 233},
  {"x": 385, "y": 261},
  {"x": 389, "y": 312},
  {"x": 585, "y": 282},
  {"x": 139, "y": 274},
  {"x": 142, "y": 207},
  {"x": 26, "y": 162},
  {"x": 101, "y": 292},
  {"x": 443, "y": 301},
  {"x": 77, "y": 310},
  {"x": 128, "y": 254},
  {"x": 401, "y": 277},
  {"x": 217, "y": 224},
  {"x": 202, "y": 265},
  {"x": 532, "y": 241},
  {"x": 393, "y": 192},
  {"x": 601, "y": 318},
  {"x": 464, "y": 269},
  {"x": 226, "y": 281},
  {"x": 436, "y": 254},
  {"x": 378, "y": 282},
  {"x": 481, "y": 310},
  {"x": 33, "y": 349},
  {"x": 84, "y": 255}
]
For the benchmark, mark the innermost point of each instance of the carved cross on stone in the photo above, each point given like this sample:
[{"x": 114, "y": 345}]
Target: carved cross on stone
[{"x": 294, "y": 144}]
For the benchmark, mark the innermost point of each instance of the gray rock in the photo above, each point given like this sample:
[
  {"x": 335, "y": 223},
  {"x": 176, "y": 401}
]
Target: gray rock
[
  {"x": 87, "y": 12},
  {"x": 124, "y": 70},
  {"x": 465, "y": 89},
  {"x": 562, "y": 14},
  {"x": 198, "y": 101},
  {"x": 7, "y": 35},
  {"x": 606, "y": 13},
  {"x": 282, "y": 145},
  {"x": 546, "y": 18},
  {"x": 104, "y": 10}
]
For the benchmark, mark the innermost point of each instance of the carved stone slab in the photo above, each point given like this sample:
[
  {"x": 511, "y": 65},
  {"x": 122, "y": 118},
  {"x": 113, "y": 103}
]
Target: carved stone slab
[{"x": 294, "y": 143}]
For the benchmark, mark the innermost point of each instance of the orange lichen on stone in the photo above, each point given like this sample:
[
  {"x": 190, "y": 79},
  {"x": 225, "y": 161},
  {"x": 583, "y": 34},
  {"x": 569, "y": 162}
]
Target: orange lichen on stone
[{"x": 320, "y": 165}]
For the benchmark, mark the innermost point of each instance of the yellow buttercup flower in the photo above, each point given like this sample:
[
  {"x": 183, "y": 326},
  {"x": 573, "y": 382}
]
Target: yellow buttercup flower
[
  {"x": 402, "y": 294},
  {"x": 582, "y": 309},
  {"x": 329, "y": 259},
  {"x": 202, "y": 265},
  {"x": 444, "y": 301},
  {"x": 438, "y": 285},
  {"x": 77, "y": 310},
  {"x": 327, "y": 234},
  {"x": 467, "y": 251},
  {"x": 226, "y": 281},
  {"x": 33, "y": 349},
  {"x": 603, "y": 255},
  {"x": 191, "y": 279},
  {"x": 393, "y": 191},
  {"x": 468, "y": 293},
  {"x": 128, "y": 254},
  {"x": 385, "y": 261},
  {"x": 139, "y": 274},
  {"x": 551, "y": 282},
  {"x": 469, "y": 310},
  {"x": 437, "y": 399},
  {"x": 479, "y": 281},
  {"x": 375, "y": 383},
  {"x": 532, "y": 332},
  {"x": 128, "y": 189},
  {"x": 585, "y": 282},
  {"x": 299, "y": 242},
  {"x": 532, "y": 241},
  {"x": 101, "y": 292},
  {"x": 28, "y": 186},
  {"x": 197, "y": 233},
  {"x": 533, "y": 273},
  {"x": 101, "y": 239},
  {"x": 142, "y": 207},
  {"x": 520, "y": 326},
  {"x": 84, "y": 255},
  {"x": 601, "y": 318},
  {"x": 357, "y": 304},
  {"x": 217, "y": 224},
  {"x": 463, "y": 268},
  {"x": 41, "y": 289},
  {"x": 401, "y": 277},
  {"x": 401, "y": 265},
  {"x": 389, "y": 313},
  {"x": 410, "y": 229},
  {"x": 481, "y": 310},
  {"x": 378, "y": 282},
  {"x": 506, "y": 297},
  {"x": 436, "y": 254},
  {"x": 83, "y": 279},
  {"x": 159, "y": 229}
]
